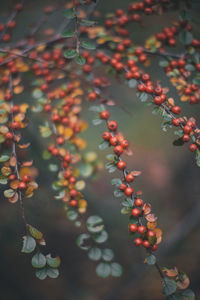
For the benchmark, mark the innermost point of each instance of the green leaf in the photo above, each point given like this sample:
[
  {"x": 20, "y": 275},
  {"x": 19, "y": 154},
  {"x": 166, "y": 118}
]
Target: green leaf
[
  {"x": 3, "y": 179},
  {"x": 80, "y": 60},
  {"x": 29, "y": 244},
  {"x": 118, "y": 193},
  {"x": 103, "y": 270},
  {"x": 116, "y": 181},
  {"x": 35, "y": 233},
  {"x": 179, "y": 132},
  {"x": 95, "y": 108},
  {"x": 184, "y": 15},
  {"x": 9, "y": 193},
  {"x": 178, "y": 142},
  {"x": 82, "y": 241},
  {"x": 53, "y": 167},
  {"x": 97, "y": 121},
  {"x": 151, "y": 259},
  {"x": 46, "y": 155},
  {"x": 41, "y": 274},
  {"x": 174, "y": 297},
  {"x": 190, "y": 67},
  {"x": 142, "y": 96},
  {"x": 86, "y": 169},
  {"x": 70, "y": 53},
  {"x": 69, "y": 14},
  {"x": 38, "y": 260},
  {"x": 2, "y": 138},
  {"x": 132, "y": 83},
  {"x": 87, "y": 22},
  {"x": 4, "y": 158},
  {"x": 52, "y": 273},
  {"x": 155, "y": 111},
  {"x": 94, "y": 253},
  {"x": 125, "y": 210},
  {"x": 107, "y": 254},
  {"x": 88, "y": 45},
  {"x": 68, "y": 33},
  {"x": 103, "y": 145},
  {"x": 94, "y": 224},
  {"x": 116, "y": 269},
  {"x": 188, "y": 294},
  {"x": 163, "y": 63},
  {"x": 53, "y": 262},
  {"x": 196, "y": 81},
  {"x": 101, "y": 237},
  {"x": 186, "y": 37},
  {"x": 72, "y": 215},
  {"x": 169, "y": 286}
]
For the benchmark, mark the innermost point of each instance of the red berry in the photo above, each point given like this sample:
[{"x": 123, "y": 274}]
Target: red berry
[
  {"x": 139, "y": 202},
  {"x": 142, "y": 229},
  {"x": 133, "y": 227},
  {"x": 146, "y": 244},
  {"x": 158, "y": 100},
  {"x": 176, "y": 110},
  {"x": 193, "y": 147},
  {"x": 60, "y": 140},
  {"x": 138, "y": 242},
  {"x": 9, "y": 136},
  {"x": 73, "y": 203},
  {"x": 122, "y": 187},
  {"x": 22, "y": 185},
  {"x": 112, "y": 125},
  {"x": 154, "y": 247},
  {"x": 92, "y": 96},
  {"x": 26, "y": 178},
  {"x": 104, "y": 115},
  {"x": 176, "y": 122},
  {"x": 121, "y": 165},
  {"x": 113, "y": 140},
  {"x": 185, "y": 138},
  {"x": 129, "y": 177},
  {"x": 187, "y": 129},
  {"x": 151, "y": 233},
  {"x": 106, "y": 135},
  {"x": 118, "y": 150},
  {"x": 73, "y": 193},
  {"x": 124, "y": 144},
  {"x": 135, "y": 211},
  {"x": 12, "y": 177},
  {"x": 128, "y": 191}
]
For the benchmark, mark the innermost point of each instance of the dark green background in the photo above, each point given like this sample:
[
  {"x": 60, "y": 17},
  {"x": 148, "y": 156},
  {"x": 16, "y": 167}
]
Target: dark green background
[{"x": 169, "y": 180}]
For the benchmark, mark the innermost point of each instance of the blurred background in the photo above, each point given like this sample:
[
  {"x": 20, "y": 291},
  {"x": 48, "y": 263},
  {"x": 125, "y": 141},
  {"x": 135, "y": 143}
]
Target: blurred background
[{"x": 169, "y": 180}]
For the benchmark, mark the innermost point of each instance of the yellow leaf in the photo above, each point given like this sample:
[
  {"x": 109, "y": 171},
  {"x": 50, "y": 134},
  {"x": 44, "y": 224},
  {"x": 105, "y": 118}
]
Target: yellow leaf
[
  {"x": 80, "y": 185},
  {"x": 23, "y": 107},
  {"x": 68, "y": 132}
]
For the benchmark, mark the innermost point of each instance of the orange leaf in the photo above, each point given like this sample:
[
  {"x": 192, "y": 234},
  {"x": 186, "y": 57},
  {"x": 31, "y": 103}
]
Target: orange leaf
[
  {"x": 27, "y": 163},
  {"x": 24, "y": 146},
  {"x": 146, "y": 208},
  {"x": 13, "y": 161},
  {"x": 151, "y": 225},
  {"x": 171, "y": 272},
  {"x": 136, "y": 173},
  {"x": 14, "y": 184}
]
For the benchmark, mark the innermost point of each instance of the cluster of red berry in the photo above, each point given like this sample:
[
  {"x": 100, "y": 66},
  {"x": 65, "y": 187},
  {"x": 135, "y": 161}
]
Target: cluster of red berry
[
  {"x": 6, "y": 29},
  {"x": 120, "y": 144},
  {"x": 145, "y": 85}
]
